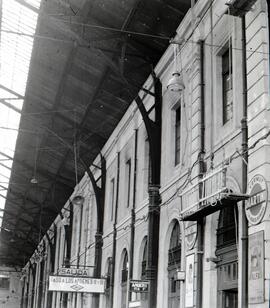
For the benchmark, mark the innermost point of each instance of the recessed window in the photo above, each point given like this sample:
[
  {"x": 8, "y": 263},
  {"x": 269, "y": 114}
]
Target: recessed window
[
  {"x": 112, "y": 184},
  {"x": 4, "y": 283},
  {"x": 227, "y": 85},
  {"x": 177, "y": 135},
  {"x": 128, "y": 181}
]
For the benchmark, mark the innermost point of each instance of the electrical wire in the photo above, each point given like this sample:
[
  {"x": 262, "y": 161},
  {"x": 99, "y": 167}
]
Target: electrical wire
[
  {"x": 169, "y": 39},
  {"x": 177, "y": 193}
]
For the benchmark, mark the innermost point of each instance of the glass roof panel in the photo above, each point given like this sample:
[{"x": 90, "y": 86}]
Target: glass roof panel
[{"x": 15, "y": 55}]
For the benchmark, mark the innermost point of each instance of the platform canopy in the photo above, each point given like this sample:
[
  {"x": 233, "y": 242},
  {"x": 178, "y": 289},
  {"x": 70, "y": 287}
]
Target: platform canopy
[{"x": 82, "y": 62}]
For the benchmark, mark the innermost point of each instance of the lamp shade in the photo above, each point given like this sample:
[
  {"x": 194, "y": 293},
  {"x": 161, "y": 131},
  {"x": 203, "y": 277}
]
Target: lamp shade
[
  {"x": 176, "y": 84},
  {"x": 78, "y": 200},
  {"x": 34, "y": 181}
]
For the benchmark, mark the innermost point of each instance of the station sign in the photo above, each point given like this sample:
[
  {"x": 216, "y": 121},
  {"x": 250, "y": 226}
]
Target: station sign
[
  {"x": 139, "y": 286},
  {"x": 256, "y": 205},
  {"x": 76, "y": 284},
  {"x": 78, "y": 272}
]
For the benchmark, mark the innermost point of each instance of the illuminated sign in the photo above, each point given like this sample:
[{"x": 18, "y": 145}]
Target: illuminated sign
[{"x": 76, "y": 284}]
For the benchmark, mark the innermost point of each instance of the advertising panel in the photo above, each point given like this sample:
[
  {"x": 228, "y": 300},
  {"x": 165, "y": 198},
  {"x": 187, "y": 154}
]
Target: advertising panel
[
  {"x": 256, "y": 268},
  {"x": 76, "y": 284}
]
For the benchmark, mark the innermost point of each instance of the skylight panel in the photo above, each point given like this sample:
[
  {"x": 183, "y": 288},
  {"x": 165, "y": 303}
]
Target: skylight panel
[
  {"x": 34, "y": 3},
  {"x": 15, "y": 55}
]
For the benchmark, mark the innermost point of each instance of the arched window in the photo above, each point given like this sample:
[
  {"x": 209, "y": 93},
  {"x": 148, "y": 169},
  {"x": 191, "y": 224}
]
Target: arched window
[
  {"x": 174, "y": 263},
  {"x": 124, "y": 278},
  {"x": 227, "y": 265}
]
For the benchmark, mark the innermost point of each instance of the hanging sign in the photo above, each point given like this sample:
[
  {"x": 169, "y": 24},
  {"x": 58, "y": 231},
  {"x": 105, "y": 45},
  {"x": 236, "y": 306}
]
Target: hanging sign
[
  {"x": 256, "y": 204},
  {"x": 80, "y": 272},
  {"x": 76, "y": 284},
  {"x": 189, "y": 280},
  {"x": 256, "y": 268},
  {"x": 139, "y": 286},
  {"x": 135, "y": 304}
]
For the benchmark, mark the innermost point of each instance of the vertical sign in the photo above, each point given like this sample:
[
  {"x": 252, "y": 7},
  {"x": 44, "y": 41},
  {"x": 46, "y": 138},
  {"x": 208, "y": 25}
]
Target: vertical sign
[
  {"x": 189, "y": 280},
  {"x": 256, "y": 268}
]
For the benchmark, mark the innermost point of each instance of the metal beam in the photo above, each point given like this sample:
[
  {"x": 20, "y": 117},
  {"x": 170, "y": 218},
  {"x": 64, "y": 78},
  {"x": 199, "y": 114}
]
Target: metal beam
[
  {"x": 3, "y": 102},
  {"x": 28, "y": 5},
  {"x": 11, "y": 91},
  {"x": 44, "y": 173}
]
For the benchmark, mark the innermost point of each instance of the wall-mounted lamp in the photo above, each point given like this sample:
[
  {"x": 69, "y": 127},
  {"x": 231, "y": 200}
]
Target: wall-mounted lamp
[{"x": 176, "y": 84}]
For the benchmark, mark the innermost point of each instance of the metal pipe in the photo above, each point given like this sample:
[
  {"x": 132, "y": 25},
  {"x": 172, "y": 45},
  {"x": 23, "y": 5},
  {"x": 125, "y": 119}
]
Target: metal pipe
[
  {"x": 200, "y": 224},
  {"x": 33, "y": 284},
  {"x": 28, "y": 287},
  {"x": 115, "y": 233},
  {"x": 154, "y": 136},
  {"x": 51, "y": 263},
  {"x": 79, "y": 247},
  {"x": 68, "y": 239},
  {"x": 268, "y": 15},
  {"x": 133, "y": 216},
  {"x": 23, "y": 290},
  {"x": 244, "y": 130}
]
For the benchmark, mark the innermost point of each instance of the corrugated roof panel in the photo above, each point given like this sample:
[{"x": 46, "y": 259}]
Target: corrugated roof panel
[{"x": 15, "y": 55}]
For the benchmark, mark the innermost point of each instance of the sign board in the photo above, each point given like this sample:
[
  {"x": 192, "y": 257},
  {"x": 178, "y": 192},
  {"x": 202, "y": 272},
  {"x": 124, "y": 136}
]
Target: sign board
[
  {"x": 139, "y": 286},
  {"x": 256, "y": 268},
  {"x": 135, "y": 304},
  {"x": 189, "y": 280},
  {"x": 180, "y": 275},
  {"x": 206, "y": 192},
  {"x": 80, "y": 272},
  {"x": 256, "y": 205},
  {"x": 76, "y": 284}
]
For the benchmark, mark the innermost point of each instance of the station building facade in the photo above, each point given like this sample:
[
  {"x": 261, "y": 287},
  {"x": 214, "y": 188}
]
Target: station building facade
[{"x": 213, "y": 230}]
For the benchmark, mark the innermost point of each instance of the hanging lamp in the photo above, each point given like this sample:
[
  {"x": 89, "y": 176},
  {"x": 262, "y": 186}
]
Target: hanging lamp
[
  {"x": 175, "y": 83},
  {"x": 34, "y": 178}
]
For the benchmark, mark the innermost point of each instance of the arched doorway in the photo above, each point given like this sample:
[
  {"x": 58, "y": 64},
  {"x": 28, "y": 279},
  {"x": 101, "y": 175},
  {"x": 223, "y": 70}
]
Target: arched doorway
[
  {"x": 174, "y": 263},
  {"x": 226, "y": 252},
  {"x": 124, "y": 279}
]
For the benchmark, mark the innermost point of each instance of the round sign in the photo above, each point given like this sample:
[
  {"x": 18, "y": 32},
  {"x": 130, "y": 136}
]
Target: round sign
[
  {"x": 191, "y": 234},
  {"x": 256, "y": 204}
]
